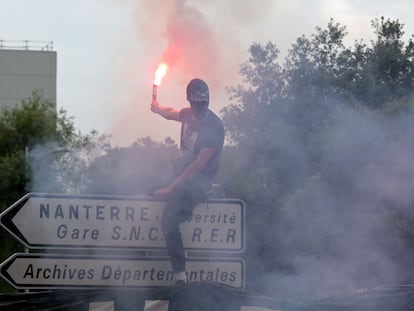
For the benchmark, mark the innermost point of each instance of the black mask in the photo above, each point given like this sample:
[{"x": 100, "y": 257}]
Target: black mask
[{"x": 199, "y": 109}]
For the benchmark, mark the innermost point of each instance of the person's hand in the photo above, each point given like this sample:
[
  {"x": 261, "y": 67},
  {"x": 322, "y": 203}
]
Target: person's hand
[
  {"x": 162, "y": 192},
  {"x": 155, "y": 107}
]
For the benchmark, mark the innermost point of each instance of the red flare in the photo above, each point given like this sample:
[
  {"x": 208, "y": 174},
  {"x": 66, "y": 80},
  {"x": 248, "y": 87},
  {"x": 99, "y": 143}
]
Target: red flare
[{"x": 160, "y": 73}]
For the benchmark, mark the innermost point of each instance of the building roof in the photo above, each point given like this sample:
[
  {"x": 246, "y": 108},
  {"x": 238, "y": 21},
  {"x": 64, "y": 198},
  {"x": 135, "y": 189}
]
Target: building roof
[{"x": 26, "y": 45}]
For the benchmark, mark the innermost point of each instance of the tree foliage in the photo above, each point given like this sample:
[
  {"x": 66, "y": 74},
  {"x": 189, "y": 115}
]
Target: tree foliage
[
  {"x": 40, "y": 150},
  {"x": 20, "y": 129},
  {"x": 319, "y": 149}
]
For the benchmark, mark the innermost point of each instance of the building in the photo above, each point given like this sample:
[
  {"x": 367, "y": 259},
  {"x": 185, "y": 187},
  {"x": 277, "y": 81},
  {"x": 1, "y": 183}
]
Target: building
[{"x": 26, "y": 66}]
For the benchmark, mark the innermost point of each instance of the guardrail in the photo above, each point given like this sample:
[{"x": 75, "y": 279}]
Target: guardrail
[{"x": 26, "y": 45}]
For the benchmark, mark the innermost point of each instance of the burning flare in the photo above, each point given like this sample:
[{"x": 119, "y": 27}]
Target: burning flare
[{"x": 160, "y": 73}]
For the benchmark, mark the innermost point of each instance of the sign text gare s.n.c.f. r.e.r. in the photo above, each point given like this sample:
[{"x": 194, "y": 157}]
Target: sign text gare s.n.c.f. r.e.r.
[{"x": 84, "y": 221}]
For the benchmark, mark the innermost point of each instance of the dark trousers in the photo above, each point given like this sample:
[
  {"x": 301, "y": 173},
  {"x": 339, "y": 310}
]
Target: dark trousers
[{"x": 179, "y": 207}]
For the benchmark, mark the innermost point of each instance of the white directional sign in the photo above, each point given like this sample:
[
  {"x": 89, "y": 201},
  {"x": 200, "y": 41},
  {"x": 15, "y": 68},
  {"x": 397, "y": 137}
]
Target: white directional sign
[
  {"x": 84, "y": 221},
  {"x": 41, "y": 271}
]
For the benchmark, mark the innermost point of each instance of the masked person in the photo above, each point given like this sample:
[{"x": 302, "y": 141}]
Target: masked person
[{"x": 201, "y": 144}]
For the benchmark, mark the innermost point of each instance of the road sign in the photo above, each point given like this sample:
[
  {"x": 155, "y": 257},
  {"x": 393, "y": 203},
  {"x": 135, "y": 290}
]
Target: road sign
[
  {"x": 85, "y": 221},
  {"x": 42, "y": 271}
]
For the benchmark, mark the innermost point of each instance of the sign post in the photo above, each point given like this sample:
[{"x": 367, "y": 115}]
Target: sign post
[
  {"x": 42, "y": 221},
  {"x": 113, "y": 231},
  {"x": 42, "y": 271}
]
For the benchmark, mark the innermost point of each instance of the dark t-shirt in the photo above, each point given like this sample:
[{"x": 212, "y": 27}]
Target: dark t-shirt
[{"x": 195, "y": 135}]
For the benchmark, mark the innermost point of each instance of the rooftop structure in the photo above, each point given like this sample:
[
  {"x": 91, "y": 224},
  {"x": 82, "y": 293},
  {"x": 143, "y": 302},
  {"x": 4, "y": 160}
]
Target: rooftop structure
[
  {"x": 26, "y": 45},
  {"x": 26, "y": 66}
]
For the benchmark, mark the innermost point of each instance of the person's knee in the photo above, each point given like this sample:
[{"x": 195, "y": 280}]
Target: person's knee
[
  {"x": 171, "y": 236},
  {"x": 168, "y": 227}
]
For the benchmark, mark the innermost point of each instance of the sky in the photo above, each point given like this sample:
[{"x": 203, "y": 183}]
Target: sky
[{"x": 108, "y": 50}]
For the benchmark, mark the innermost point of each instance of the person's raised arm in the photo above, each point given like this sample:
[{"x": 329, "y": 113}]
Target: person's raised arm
[{"x": 169, "y": 113}]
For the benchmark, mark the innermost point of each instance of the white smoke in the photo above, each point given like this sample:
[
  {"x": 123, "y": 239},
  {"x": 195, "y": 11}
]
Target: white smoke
[{"x": 201, "y": 39}]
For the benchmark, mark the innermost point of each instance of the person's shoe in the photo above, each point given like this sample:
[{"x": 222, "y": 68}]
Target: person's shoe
[{"x": 181, "y": 278}]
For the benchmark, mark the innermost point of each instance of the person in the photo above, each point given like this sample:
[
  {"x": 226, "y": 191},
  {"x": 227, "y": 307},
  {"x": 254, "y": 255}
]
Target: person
[{"x": 201, "y": 144}]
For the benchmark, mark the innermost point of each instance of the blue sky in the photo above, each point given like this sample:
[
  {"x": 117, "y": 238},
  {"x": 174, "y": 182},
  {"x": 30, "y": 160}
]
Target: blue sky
[{"x": 108, "y": 49}]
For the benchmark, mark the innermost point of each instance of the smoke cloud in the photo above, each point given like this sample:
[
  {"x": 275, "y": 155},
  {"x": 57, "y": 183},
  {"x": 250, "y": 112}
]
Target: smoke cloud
[
  {"x": 208, "y": 40},
  {"x": 181, "y": 35},
  {"x": 351, "y": 224}
]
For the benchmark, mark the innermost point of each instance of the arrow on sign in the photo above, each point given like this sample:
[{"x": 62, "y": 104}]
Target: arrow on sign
[
  {"x": 41, "y": 271},
  {"x": 84, "y": 221}
]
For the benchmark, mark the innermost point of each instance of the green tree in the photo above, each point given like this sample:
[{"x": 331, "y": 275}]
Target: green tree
[
  {"x": 390, "y": 63},
  {"x": 310, "y": 152},
  {"x": 40, "y": 150},
  {"x": 21, "y": 128},
  {"x": 382, "y": 72}
]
